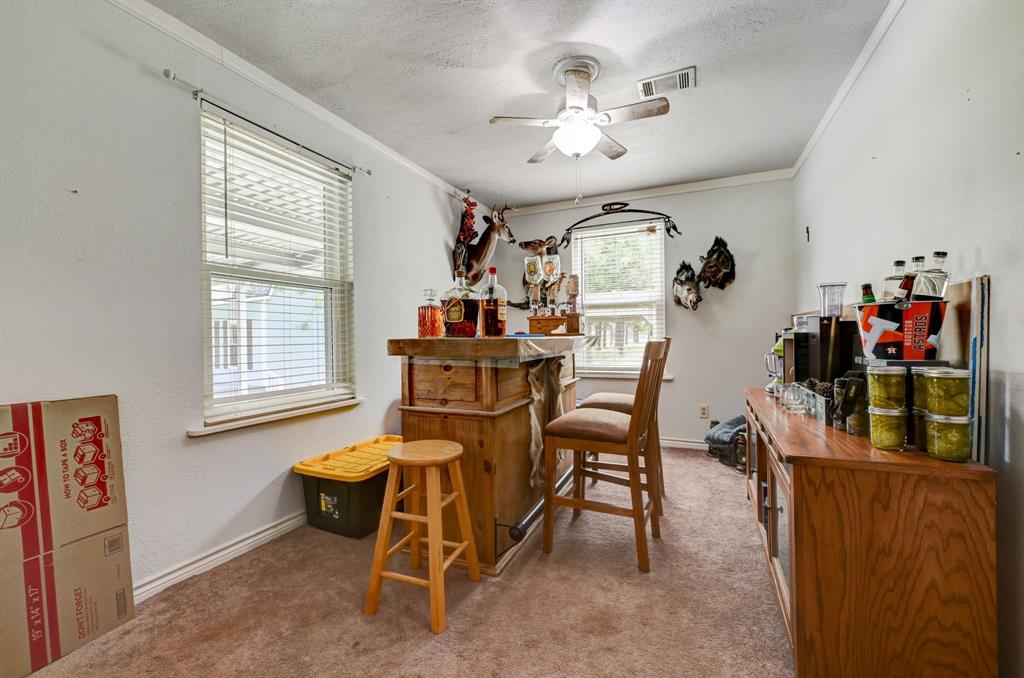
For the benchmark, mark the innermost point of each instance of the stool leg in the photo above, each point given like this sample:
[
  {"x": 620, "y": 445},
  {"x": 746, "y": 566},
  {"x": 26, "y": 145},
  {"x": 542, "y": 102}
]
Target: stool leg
[
  {"x": 465, "y": 524},
  {"x": 638, "y": 511},
  {"x": 380, "y": 551},
  {"x": 416, "y": 506},
  {"x": 435, "y": 550},
  {"x": 577, "y": 479},
  {"x": 549, "y": 493}
]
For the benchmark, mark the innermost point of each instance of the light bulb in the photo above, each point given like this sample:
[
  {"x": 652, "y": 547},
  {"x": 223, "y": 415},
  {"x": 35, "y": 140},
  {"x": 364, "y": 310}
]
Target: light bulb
[{"x": 576, "y": 137}]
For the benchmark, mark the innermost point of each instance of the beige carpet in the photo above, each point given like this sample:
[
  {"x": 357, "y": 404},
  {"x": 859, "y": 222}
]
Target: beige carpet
[{"x": 293, "y": 607}]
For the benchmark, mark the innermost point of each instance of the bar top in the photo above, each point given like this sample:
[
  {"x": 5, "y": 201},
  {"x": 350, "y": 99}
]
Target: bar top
[
  {"x": 526, "y": 348},
  {"x": 805, "y": 440}
]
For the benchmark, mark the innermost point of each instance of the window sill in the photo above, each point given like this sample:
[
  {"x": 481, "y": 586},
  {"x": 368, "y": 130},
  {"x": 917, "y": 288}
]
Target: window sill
[
  {"x": 258, "y": 419},
  {"x": 628, "y": 376}
]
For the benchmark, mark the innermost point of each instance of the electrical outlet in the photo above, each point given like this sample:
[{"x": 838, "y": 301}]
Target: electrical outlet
[{"x": 703, "y": 411}]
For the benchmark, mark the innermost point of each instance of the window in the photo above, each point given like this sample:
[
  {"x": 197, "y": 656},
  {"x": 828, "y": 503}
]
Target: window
[
  {"x": 622, "y": 284},
  {"x": 277, "y": 271}
]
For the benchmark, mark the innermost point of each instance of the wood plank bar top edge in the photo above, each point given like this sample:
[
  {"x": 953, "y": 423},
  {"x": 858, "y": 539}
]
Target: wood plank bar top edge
[
  {"x": 469, "y": 349},
  {"x": 805, "y": 440}
]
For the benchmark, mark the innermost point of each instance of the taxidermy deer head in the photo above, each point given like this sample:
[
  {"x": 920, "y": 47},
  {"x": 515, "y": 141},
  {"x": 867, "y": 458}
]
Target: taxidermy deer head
[
  {"x": 718, "y": 267},
  {"x": 477, "y": 255},
  {"x": 685, "y": 288}
]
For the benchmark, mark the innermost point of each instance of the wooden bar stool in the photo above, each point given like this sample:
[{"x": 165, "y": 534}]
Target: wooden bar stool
[
  {"x": 623, "y": 402},
  {"x": 608, "y": 431},
  {"x": 424, "y": 458}
]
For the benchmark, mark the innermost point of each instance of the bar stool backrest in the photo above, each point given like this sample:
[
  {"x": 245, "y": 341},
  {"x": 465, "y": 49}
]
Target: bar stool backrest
[{"x": 648, "y": 390}]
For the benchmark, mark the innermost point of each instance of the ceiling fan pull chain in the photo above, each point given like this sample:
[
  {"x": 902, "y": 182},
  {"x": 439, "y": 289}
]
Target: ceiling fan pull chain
[{"x": 579, "y": 182}]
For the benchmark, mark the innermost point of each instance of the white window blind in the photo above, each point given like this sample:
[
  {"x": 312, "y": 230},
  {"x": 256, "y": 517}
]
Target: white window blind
[
  {"x": 277, "y": 269},
  {"x": 622, "y": 288}
]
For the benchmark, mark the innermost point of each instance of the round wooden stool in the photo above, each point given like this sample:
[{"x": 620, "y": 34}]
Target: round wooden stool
[{"x": 423, "y": 458}]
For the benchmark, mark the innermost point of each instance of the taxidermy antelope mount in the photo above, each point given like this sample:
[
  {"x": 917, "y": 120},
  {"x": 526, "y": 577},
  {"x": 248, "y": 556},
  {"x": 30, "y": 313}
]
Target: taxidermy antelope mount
[
  {"x": 474, "y": 257},
  {"x": 685, "y": 288},
  {"x": 718, "y": 268}
]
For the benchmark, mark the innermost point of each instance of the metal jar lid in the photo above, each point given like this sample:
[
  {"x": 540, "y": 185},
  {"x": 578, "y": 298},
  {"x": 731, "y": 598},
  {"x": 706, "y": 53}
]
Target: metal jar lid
[
  {"x": 901, "y": 412},
  {"x": 928, "y": 368},
  {"x": 886, "y": 369},
  {"x": 943, "y": 419},
  {"x": 949, "y": 373}
]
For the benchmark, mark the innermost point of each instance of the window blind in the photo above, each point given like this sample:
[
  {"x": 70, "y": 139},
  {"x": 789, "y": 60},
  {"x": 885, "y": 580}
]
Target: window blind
[
  {"x": 277, "y": 268},
  {"x": 622, "y": 287}
]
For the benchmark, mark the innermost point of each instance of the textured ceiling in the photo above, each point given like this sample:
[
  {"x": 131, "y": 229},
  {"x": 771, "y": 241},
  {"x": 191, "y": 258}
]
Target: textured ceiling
[{"x": 424, "y": 77}]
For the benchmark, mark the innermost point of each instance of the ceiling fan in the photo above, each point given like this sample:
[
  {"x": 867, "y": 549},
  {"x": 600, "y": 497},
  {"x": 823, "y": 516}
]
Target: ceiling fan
[{"x": 578, "y": 125}]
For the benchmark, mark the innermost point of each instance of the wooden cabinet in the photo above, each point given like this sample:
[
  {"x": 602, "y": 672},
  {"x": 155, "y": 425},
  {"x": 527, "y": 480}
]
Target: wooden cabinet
[
  {"x": 884, "y": 563},
  {"x": 477, "y": 392}
]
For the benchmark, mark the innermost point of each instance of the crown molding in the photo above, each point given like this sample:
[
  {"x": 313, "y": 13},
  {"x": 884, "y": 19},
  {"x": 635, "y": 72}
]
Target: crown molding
[
  {"x": 881, "y": 28},
  {"x": 168, "y": 25},
  {"x": 659, "y": 191}
]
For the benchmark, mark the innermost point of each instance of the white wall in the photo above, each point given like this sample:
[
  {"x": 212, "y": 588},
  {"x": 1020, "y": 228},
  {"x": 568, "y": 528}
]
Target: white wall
[
  {"x": 925, "y": 154},
  {"x": 101, "y": 289},
  {"x": 718, "y": 349}
]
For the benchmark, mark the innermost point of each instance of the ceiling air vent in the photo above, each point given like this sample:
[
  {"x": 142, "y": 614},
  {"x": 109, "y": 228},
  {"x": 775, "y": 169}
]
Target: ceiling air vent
[{"x": 659, "y": 85}]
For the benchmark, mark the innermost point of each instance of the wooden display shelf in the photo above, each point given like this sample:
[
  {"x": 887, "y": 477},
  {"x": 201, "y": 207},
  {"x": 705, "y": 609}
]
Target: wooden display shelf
[
  {"x": 547, "y": 324},
  {"x": 884, "y": 563}
]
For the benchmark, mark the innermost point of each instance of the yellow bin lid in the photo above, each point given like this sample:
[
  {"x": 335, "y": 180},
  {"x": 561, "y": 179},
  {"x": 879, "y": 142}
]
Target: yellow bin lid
[{"x": 353, "y": 463}]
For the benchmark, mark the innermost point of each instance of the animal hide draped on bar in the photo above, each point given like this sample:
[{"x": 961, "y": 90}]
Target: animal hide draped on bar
[{"x": 540, "y": 373}]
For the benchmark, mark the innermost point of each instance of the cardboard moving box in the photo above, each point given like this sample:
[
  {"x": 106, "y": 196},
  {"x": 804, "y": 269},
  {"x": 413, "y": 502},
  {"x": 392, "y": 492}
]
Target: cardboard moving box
[{"x": 65, "y": 573}]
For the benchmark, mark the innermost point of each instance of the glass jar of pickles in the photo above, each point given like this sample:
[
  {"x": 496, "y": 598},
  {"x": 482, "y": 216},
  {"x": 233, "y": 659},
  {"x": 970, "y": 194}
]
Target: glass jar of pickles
[
  {"x": 947, "y": 392},
  {"x": 949, "y": 438},
  {"x": 887, "y": 387},
  {"x": 920, "y": 439},
  {"x": 920, "y": 395},
  {"x": 888, "y": 427}
]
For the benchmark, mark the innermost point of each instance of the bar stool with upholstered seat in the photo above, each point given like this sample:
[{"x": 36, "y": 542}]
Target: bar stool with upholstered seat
[
  {"x": 423, "y": 458},
  {"x": 608, "y": 431},
  {"x": 623, "y": 402}
]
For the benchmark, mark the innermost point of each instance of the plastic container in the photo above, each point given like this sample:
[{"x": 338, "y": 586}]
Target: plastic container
[
  {"x": 887, "y": 387},
  {"x": 948, "y": 392},
  {"x": 920, "y": 439},
  {"x": 948, "y": 438},
  {"x": 344, "y": 489},
  {"x": 831, "y": 299},
  {"x": 888, "y": 428}
]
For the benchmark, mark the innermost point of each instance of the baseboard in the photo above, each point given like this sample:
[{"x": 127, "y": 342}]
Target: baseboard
[
  {"x": 215, "y": 557},
  {"x": 684, "y": 442}
]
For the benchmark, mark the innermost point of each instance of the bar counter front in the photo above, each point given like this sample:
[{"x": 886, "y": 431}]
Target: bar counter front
[{"x": 493, "y": 396}]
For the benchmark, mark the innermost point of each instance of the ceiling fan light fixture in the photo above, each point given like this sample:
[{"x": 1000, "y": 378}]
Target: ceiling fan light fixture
[{"x": 576, "y": 137}]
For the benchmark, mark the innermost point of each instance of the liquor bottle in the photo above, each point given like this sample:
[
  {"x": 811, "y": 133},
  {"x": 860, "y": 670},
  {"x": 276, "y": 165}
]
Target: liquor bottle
[
  {"x": 917, "y": 264},
  {"x": 429, "y": 316},
  {"x": 460, "y": 308},
  {"x": 493, "y": 306},
  {"x": 891, "y": 283},
  {"x": 906, "y": 286},
  {"x": 931, "y": 283},
  {"x": 867, "y": 294}
]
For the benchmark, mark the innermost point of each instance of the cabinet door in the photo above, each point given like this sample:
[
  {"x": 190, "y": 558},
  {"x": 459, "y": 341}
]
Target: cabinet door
[{"x": 780, "y": 534}]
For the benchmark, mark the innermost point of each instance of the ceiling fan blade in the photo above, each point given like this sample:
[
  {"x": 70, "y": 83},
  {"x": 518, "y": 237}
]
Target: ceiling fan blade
[
  {"x": 543, "y": 153},
  {"x": 610, "y": 147},
  {"x": 637, "y": 111},
  {"x": 577, "y": 88},
  {"x": 529, "y": 122}
]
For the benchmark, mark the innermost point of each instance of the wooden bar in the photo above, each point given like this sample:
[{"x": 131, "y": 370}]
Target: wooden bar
[
  {"x": 884, "y": 563},
  {"x": 477, "y": 393}
]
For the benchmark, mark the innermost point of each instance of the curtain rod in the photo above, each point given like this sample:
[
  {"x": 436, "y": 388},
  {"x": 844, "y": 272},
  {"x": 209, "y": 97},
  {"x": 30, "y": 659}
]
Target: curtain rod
[{"x": 199, "y": 95}]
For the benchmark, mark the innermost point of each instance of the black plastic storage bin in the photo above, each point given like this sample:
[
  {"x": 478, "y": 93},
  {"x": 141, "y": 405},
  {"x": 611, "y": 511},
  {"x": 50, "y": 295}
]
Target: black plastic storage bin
[
  {"x": 344, "y": 489},
  {"x": 349, "y": 509}
]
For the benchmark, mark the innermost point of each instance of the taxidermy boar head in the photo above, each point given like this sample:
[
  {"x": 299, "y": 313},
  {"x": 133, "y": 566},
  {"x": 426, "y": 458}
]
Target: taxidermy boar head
[
  {"x": 718, "y": 267},
  {"x": 541, "y": 246},
  {"x": 685, "y": 288}
]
